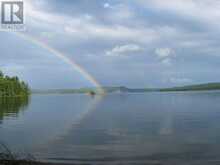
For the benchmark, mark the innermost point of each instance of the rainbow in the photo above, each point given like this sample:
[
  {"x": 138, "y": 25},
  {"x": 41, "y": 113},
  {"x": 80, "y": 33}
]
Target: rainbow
[
  {"x": 75, "y": 66},
  {"x": 64, "y": 58}
]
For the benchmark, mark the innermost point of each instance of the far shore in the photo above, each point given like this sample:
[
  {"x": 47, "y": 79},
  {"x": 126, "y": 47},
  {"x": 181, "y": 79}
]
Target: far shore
[{"x": 123, "y": 89}]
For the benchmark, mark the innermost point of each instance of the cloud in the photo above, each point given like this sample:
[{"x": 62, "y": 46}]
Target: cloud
[
  {"x": 164, "y": 52},
  {"x": 106, "y": 5},
  {"x": 121, "y": 12},
  {"x": 180, "y": 80},
  {"x": 85, "y": 30},
  {"x": 96, "y": 28},
  {"x": 40, "y": 15},
  {"x": 110, "y": 32},
  {"x": 165, "y": 55},
  {"x": 124, "y": 50},
  {"x": 86, "y": 26},
  {"x": 166, "y": 61},
  {"x": 206, "y": 11}
]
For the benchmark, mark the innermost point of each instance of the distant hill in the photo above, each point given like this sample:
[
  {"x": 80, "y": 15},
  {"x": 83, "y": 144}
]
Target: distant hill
[
  {"x": 122, "y": 89},
  {"x": 61, "y": 91},
  {"x": 125, "y": 89},
  {"x": 198, "y": 87}
]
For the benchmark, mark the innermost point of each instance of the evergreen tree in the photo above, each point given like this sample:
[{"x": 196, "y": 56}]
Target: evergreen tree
[{"x": 12, "y": 86}]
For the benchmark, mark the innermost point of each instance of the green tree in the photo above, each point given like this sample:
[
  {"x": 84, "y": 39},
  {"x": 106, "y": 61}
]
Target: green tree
[
  {"x": 1, "y": 74},
  {"x": 12, "y": 86}
]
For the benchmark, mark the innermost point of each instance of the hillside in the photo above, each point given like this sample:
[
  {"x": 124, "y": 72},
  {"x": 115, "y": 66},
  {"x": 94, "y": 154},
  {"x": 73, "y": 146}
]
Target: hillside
[{"x": 199, "y": 87}]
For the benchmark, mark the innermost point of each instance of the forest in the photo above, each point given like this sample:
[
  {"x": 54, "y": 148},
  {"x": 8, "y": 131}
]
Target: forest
[{"x": 12, "y": 86}]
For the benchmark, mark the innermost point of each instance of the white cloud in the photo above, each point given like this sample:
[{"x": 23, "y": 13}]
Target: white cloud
[
  {"x": 164, "y": 52},
  {"x": 165, "y": 55},
  {"x": 180, "y": 80},
  {"x": 118, "y": 32},
  {"x": 88, "y": 17},
  {"x": 206, "y": 11},
  {"x": 106, "y": 5},
  {"x": 124, "y": 49},
  {"x": 120, "y": 13},
  {"x": 166, "y": 61},
  {"x": 86, "y": 27}
]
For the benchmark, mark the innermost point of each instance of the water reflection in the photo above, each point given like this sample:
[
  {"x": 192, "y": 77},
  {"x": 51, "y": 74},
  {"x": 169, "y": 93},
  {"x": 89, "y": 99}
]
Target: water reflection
[
  {"x": 144, "y": 127},
  {"x": 178, "y": 127},
  {"x": 11, "y": 106}
]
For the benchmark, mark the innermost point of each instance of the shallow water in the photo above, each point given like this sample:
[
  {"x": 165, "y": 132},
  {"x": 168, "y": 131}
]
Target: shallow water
[{"x": 181, "y": 127}]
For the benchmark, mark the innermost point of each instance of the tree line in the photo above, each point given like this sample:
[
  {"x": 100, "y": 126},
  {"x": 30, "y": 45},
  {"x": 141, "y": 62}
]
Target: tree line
[{"x": 12, "y": 86}]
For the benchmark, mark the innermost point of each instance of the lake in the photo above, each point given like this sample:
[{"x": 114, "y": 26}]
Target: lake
[{"x": 166, "y": 128}]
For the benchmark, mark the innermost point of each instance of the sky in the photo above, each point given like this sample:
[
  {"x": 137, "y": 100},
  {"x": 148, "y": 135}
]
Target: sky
[{"x": 141, "y": 43}]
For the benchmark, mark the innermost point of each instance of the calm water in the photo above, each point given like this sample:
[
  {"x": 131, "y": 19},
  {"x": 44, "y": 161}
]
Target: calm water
[{"x": 179, "y": 127}]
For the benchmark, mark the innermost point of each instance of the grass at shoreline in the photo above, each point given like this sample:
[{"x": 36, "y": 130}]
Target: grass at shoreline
[{"x": 7, "y": 157}]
